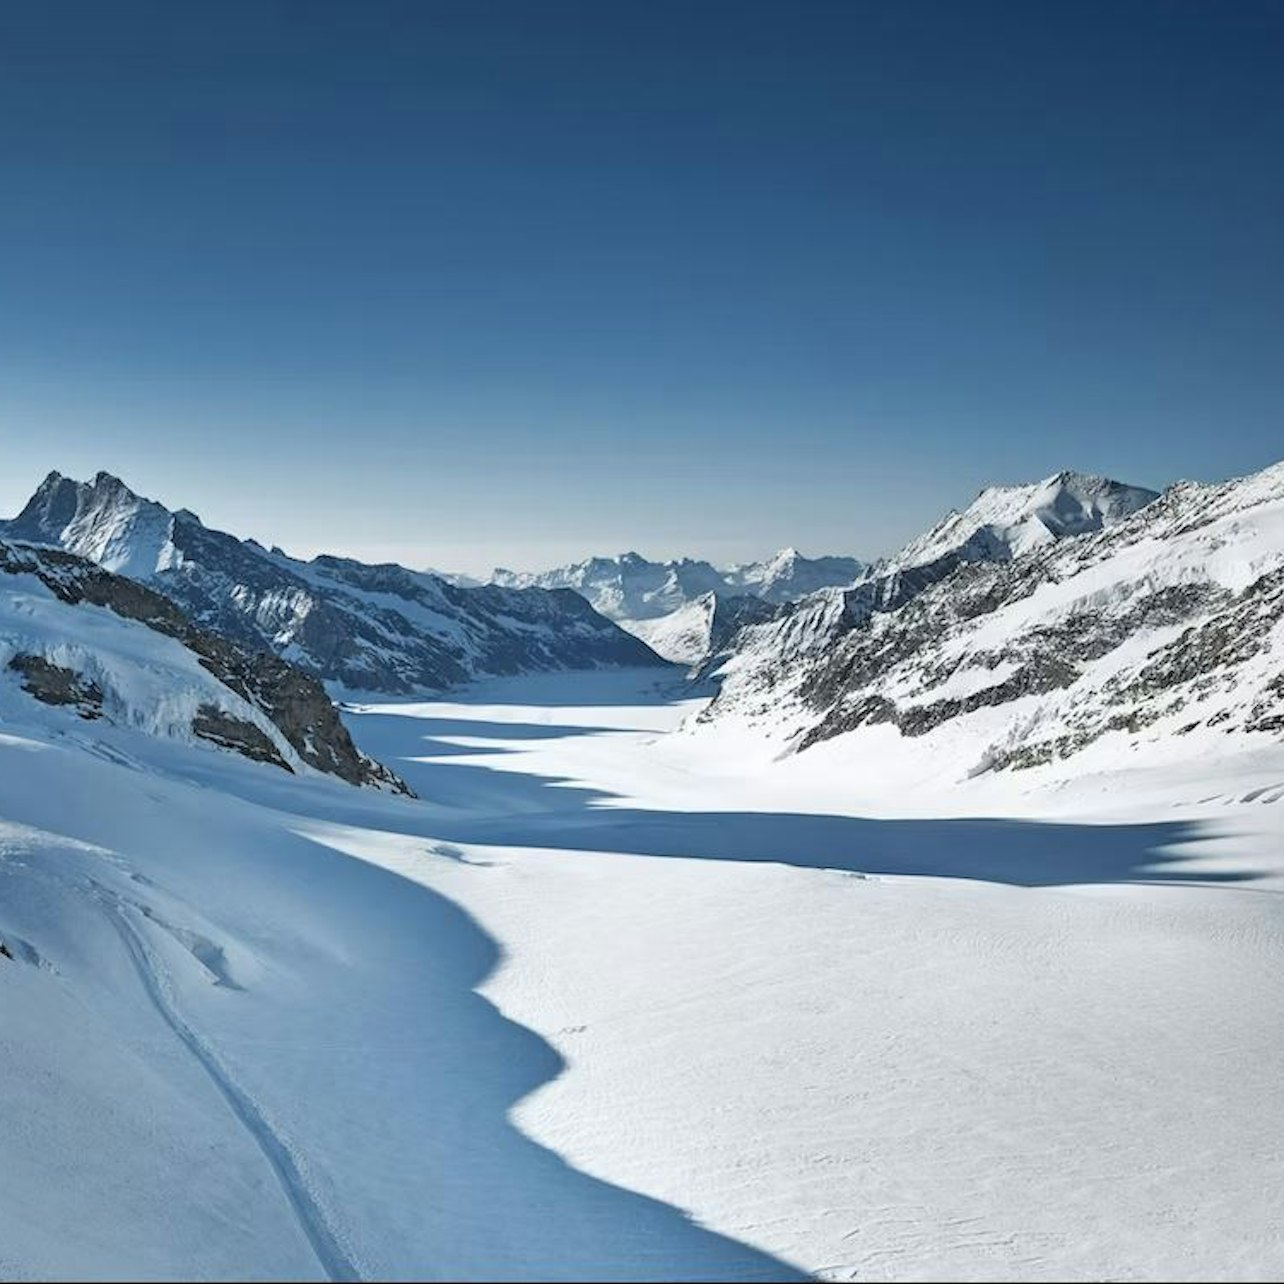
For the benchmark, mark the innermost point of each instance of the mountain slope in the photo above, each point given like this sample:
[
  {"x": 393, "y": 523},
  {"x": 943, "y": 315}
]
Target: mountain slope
[
  {"x": 1002, "y": 523},
  {"x": 366, "y": 627},
  {"x": 89, "y": 645},
  {"x": 703, "y": 627},
  {"x": 1163, "y": 624}
]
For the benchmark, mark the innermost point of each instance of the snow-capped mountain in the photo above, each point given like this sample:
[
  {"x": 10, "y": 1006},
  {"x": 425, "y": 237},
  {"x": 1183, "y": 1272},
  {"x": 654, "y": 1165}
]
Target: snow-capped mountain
[
  {"x": 1004, "y": 521},
  {"x": 1040, "y": 622},
  {"x": 703, "y": 627},
  {"x": 96, "y": 647},
  {"x": 367, "y": 627},
  {"x": 789, "y": 575},
  {"x": 629, "y": 588},
  {"x": 1000, "y": 524}
]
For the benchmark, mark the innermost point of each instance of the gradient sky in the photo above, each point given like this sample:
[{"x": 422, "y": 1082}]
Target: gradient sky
[{"x": 478, "y": 283}]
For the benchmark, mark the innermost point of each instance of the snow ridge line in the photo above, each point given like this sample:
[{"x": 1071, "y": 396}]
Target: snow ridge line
[{"x": 311, "y": 1219}]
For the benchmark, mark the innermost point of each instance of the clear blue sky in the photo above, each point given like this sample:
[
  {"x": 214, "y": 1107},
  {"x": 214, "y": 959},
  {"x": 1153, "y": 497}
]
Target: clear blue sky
[{"x": 475, "y": 283}]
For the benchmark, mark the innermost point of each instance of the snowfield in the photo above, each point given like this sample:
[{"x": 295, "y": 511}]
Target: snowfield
[{"x": 612, "y": 1000}]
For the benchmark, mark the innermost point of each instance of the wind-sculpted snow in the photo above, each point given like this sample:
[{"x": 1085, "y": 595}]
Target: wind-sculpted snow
[{"x": 364, "y": 627}]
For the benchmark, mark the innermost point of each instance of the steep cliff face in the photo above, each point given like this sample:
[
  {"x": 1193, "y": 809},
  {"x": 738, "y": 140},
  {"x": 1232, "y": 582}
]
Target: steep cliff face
[
  {"x": 378, "y": 628},
  {"x": 141, "y": 662}
]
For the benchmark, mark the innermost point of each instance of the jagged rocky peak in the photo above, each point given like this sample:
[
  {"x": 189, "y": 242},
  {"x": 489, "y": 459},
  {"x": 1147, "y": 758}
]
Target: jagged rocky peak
[
  {"x": 374, "y": 628},
  {"x": 102, "y": 520}
]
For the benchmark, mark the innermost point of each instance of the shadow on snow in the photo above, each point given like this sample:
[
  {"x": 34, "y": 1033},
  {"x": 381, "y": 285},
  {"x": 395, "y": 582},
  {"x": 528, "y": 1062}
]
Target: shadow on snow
[
  {"x": 492, "y": 805},
  {"x": 393, "y": 1089}
]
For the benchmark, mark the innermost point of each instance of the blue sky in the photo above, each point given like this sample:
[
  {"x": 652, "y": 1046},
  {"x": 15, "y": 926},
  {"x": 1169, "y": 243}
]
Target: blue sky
[{"x": 472, "y": 283}]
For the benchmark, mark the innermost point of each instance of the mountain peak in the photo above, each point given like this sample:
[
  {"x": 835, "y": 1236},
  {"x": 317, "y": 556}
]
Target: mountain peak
[
  {"x": 102, "y": 520},
  {"x": 1018, "y": 518}
]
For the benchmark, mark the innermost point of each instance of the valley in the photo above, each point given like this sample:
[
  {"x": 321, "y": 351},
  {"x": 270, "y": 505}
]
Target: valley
[{"x": 609, "y": 1000}]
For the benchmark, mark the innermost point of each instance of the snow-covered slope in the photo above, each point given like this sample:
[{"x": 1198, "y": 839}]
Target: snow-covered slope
[
  {"x": 85, "y": 649},
  {"x": 695, "y": 1012},
  {"x": 367, "y": 627},
  {"x": 1004, "y": 521},
  {"x": 789, "y": 575},
  {"x": 1161, "y": 632},
  {"x": 702, "y": 628},
  {"x": 631, "y": 588}
]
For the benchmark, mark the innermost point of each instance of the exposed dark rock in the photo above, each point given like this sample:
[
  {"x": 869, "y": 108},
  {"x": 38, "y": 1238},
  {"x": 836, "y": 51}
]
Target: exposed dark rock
[
  {"x": 294, "y": 701},
  {"x": 220, "y": 728},
  {"x": 52, "y": 684}
]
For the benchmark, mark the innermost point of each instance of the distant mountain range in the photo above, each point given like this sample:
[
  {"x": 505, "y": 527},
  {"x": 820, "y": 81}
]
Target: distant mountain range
[
  {"x": 683, "y": 608},
  {"x": 365, "y": 627},
  {"x": 629, "y": 587}
]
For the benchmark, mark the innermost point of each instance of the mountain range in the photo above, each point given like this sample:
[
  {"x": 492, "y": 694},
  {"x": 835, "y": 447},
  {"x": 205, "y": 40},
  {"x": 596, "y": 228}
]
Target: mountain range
[
  {"x": 1041, "y": 618},
  {"x": 1011, "y": 788},
  {"x": 687, "y": 609},
  {"x": 363, "y": 627},
  {"x": 629, "y": 587},
  {"x": 1038, "y": 624}
]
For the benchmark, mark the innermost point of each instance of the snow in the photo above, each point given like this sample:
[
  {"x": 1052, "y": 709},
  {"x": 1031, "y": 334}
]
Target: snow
[
  {"x": 1019, "y": 519},
  {"x": 911, "y": 1048},
  {"x": 614, "y": 1001},
  {"x": 1208, "y": 543},
  {"x": 633, "y": 591},
  {"x": 682, "y": 636},
  {"x": 149, "y": 681}
]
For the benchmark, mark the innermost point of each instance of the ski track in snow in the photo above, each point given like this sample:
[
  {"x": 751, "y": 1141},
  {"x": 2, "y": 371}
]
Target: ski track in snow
[{"x": 312, "y": 1220}]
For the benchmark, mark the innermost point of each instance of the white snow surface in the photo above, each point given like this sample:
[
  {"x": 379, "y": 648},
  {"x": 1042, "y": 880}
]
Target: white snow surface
[
  {"x": 614, "y": 1002},
  {"x": 682, "y": 636}
]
